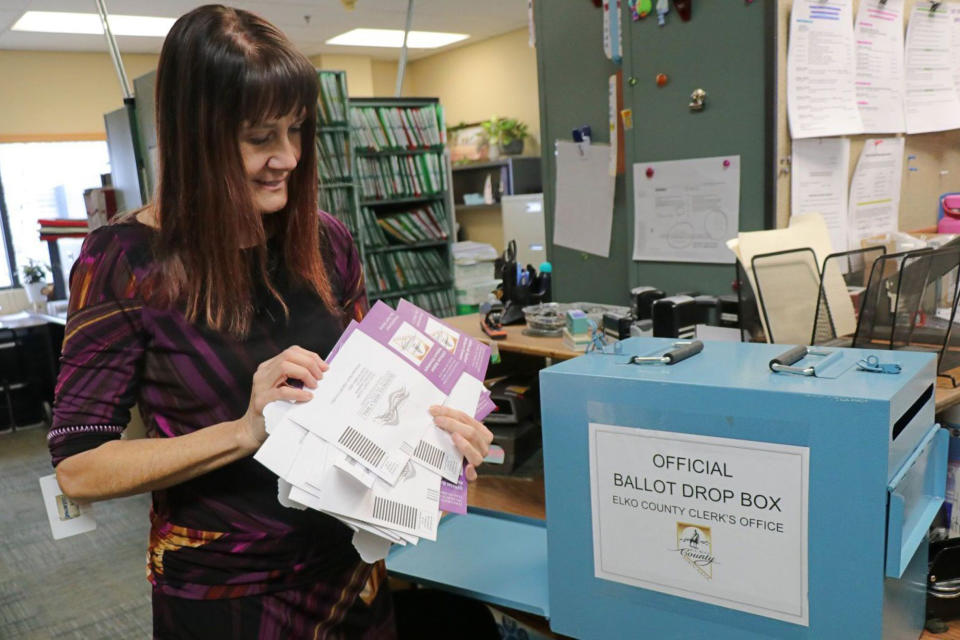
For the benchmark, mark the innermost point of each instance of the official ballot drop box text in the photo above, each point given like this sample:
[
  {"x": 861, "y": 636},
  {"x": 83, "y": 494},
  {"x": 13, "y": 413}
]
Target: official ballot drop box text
[{"x": 714, "y": 498}]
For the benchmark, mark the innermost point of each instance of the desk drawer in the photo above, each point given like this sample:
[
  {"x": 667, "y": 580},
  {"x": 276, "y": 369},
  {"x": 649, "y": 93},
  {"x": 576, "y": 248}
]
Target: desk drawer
[{"x": 915, "y": 494}]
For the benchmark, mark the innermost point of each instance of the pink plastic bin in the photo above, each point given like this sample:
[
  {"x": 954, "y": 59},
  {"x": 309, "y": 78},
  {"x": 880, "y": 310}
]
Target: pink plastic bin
[{"x": 949, "y": 213}]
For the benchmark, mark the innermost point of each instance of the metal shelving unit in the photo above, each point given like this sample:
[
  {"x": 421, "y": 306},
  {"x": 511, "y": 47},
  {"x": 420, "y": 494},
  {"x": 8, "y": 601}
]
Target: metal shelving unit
[
  {"x": 338, "y": 196},
  {"x": 445, "y": 303}
]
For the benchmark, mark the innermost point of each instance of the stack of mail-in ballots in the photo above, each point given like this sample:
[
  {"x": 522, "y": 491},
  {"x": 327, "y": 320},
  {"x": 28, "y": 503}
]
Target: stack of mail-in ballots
[{"x": 365, "y": 449}]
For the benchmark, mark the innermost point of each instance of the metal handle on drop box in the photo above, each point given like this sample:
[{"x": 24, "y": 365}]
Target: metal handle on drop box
[
  {"x": 681, "y": 351},
  {"x": 782, "y": 363}
]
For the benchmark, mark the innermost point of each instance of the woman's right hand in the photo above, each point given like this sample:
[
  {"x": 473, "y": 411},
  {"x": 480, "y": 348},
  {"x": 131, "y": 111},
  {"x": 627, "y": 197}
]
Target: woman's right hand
[{"x": 271, "y": 382}]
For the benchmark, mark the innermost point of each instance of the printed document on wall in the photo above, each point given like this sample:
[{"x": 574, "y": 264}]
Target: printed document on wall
[
  {"x": 879, "y": 82},
  {"x": 875, "y": 189},
  {"x": 955, "y": 43},
  {"x": 932, "y": 103},
  {"x": 686, "y": 210},
  {"x": 821, "y": 63},
  {"x": 583, "y": 207},
  {"x": 818, "y": 184}
]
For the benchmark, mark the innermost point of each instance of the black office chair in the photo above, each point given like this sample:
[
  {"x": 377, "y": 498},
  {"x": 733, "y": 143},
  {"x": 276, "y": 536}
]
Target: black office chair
[{"x": 20, "y": 401}]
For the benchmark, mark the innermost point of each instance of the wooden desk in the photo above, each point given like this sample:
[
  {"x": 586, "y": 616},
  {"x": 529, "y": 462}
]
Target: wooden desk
[
  {"x": 515, "y": 341},
  {"x": 519, "y": 496},
  {"x": 945, "y": 396}
]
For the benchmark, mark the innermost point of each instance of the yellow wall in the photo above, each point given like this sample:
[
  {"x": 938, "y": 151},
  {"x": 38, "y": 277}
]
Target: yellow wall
[
  {"x": 385, "y": 78},
  {"x": 497, "y": 76},
  {"x": 54, "y": 95},
  {"x": 63, "y": 95},
  {"x": 359, "y": 72}
]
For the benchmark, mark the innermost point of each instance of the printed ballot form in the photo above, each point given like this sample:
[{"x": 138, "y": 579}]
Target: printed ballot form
[
  {"x": 436, "y": 449},
  {"x": 352, "y": 451},
  {"x": 375, "y": 403},
  {"x": 879, "y": 81},
  {"x": 821, "y": 63},
  {"x": 932, "y": 103},
  {"x": 411, "y": 506}
]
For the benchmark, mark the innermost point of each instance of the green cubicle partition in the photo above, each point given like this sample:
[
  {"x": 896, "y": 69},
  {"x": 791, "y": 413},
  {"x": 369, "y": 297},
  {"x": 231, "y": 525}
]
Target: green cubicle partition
[{"x": 728, "y": 49}]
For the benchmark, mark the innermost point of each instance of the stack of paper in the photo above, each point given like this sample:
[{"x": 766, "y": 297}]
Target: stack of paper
[{"x": 365, "y": 449}]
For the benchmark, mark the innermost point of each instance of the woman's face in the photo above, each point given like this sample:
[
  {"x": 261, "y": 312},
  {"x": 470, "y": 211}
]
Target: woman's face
[{"x": 270, "y": 150}]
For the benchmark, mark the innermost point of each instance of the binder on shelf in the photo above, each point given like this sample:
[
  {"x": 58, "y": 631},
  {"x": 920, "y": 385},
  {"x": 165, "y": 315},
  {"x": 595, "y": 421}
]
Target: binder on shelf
[
  {"x": 332, "y": 101},
  {"x": 400, "y": 170},
  {"x": 398, "y": 127},
  {"x": 337, "y": 194}
]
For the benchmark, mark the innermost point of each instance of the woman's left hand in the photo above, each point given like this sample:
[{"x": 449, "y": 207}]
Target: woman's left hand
[{"x": 471, "y": 436}]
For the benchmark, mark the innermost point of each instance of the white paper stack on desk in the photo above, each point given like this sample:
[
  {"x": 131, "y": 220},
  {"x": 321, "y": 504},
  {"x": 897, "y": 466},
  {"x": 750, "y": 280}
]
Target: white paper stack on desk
[{"x": 365, "y": 449}]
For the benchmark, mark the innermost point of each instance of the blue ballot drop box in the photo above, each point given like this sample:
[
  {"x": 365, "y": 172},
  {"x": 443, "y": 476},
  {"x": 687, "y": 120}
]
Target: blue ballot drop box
[{"x": 715, "y": 498}]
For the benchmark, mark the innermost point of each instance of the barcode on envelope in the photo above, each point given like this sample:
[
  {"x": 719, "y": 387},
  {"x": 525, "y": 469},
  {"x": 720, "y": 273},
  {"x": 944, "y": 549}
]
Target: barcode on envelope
[
  {"x": 402, "y": 515},
  {"x": 429, "y": 454},
  {"x": 362, "y": 447}
]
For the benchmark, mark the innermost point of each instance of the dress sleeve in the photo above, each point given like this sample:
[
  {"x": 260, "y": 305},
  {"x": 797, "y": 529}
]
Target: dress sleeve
[
  {"x": 349, "y": 269},
  {"x": 103, "y": 348}
]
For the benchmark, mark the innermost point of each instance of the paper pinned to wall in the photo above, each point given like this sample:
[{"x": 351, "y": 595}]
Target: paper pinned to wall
[
  {"x": 686, "y": 210},
  {"x": 583, "y": 206},
  {"x": 818, "y": 184},
  {"x": 875, "y": 189},
  {"x": 932, "y": 101},
  {"x": 879, "y": 77},
  {"x": 821, "y": 63},
  {"x": 955, "y": 43}
]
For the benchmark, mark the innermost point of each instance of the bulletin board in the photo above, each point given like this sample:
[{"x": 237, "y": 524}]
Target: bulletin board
[
  {"x": 936, "y": 155},
  {"x": 728, "y": 50}
]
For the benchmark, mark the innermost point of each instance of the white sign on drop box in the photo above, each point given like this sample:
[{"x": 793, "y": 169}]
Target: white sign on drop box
[{"x": 717, "y": 520}]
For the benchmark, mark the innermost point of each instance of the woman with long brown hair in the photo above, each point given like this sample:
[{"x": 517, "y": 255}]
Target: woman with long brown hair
[{"x": 200, "y": 309}]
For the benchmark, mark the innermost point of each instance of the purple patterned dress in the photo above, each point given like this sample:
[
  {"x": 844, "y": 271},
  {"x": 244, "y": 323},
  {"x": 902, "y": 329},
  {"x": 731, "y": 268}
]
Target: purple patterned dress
[{"x": 223, "y": 537}]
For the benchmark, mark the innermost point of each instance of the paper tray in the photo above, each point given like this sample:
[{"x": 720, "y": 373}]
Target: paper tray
[{"x": 487, "y": 555}]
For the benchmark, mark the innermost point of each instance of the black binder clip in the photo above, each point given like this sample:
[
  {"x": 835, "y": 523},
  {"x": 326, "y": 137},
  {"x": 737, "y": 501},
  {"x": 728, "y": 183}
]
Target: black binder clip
[{"x": 934, "y": 6}]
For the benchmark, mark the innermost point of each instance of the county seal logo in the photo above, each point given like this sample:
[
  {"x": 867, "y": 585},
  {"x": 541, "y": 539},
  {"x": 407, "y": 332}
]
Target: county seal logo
[{"x": 695, "y": 545}]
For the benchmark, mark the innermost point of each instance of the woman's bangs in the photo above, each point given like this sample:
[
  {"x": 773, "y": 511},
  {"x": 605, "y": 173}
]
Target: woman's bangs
[{"x": 276, "y": 86}]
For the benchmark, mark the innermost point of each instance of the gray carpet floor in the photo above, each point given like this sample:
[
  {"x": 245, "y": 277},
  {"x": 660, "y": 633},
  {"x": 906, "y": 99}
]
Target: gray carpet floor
[{"x": 89, "y": 586}]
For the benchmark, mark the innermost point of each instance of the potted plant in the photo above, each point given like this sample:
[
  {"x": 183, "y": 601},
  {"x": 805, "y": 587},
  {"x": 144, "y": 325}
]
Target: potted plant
[
  {"x": 34, "y": 281},
  {"x": 504, "y": 135}
]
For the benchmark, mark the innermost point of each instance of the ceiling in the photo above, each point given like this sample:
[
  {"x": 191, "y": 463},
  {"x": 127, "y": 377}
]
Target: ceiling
[{"x": 480, "y": 19}]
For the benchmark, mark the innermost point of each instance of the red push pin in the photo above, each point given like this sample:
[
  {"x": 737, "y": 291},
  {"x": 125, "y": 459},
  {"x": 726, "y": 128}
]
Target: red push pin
[
  {"x": 726, "y": 163},
  {"x": 649, "y": 172},
  {"x": 662, "y": 79}
]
